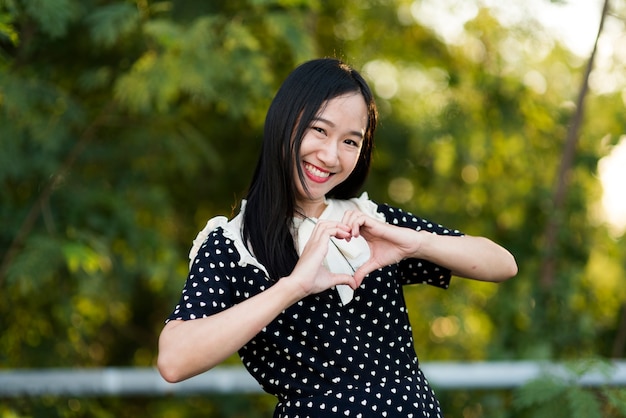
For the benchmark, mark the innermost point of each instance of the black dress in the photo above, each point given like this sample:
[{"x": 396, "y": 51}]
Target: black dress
[{"x": 321, "y": 358}]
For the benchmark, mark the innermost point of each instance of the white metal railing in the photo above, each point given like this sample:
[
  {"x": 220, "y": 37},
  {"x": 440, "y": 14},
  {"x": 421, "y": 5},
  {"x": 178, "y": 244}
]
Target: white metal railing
[{"x": 224, "y": 379}]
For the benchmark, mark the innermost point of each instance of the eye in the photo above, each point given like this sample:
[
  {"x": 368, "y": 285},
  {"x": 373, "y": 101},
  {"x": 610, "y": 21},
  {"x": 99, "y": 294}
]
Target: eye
[
  {"x": 352, "y": 142},
  {"x": 319, "y": 130}
]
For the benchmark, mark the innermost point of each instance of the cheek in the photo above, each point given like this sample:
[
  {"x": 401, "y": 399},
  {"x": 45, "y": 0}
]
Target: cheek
[
  {"x": 354, "y": 158},
  {"x": 307, "y": 145},
  {"x": 349, "y": 164}
]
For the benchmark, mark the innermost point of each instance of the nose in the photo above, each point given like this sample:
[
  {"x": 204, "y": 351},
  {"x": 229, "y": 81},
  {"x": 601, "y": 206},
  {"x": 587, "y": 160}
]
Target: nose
[{"x": 329, "y": 153}]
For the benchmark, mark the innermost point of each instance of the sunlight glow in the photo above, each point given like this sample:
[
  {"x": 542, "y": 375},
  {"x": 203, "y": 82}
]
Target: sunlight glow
[
  {"x": 612, "y": 171},
  {"x": 384, "y": 74},
  {"x": 574, "y": 24}
]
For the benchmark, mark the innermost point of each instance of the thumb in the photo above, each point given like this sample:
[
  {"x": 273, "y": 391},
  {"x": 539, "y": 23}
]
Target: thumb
[{"x": 365, "y": 269}]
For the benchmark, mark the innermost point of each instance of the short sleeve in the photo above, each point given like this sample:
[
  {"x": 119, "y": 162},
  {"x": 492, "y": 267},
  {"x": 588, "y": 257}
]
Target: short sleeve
[
  {"x": 207, "y": 289},
  {"x": 413, "y": 270}
]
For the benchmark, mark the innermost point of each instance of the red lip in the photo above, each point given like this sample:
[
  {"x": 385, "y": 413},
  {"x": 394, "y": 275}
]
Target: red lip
[{"x": 313, "y": 177}]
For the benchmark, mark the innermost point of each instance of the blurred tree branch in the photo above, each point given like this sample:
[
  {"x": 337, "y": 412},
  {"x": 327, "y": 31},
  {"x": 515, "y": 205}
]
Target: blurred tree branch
[
  {"x": 42, "y": 200},
  {"x": 548, "y": 267}
]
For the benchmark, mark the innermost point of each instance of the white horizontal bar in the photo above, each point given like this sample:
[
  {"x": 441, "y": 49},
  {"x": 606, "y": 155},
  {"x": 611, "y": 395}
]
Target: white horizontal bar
[
  {"x": 147, "y": 381},
  {"x": 121, "y": 382},
  {"x": 491, "y": 375}
]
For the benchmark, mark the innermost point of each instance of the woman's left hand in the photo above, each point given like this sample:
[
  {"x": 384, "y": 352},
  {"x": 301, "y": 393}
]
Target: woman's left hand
[
  {"x": 466, "y": 256},
  {"x": 388, "y": 244}
]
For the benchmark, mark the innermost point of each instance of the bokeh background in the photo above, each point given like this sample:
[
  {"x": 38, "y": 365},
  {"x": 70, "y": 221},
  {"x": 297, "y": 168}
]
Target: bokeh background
[{"x": 126, "y": 124}]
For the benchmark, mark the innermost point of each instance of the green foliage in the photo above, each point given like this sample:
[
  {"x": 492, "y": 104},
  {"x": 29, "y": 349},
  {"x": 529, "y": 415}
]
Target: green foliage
[
  {"x": 190, "y": 62},
  {"x": 215, "y": 406},
  {"x": 52, "y": 16},
  {"x": 125, "y": 125},
  {"x": 557, "y": 396},
  {"x": 7, "y": 30},
  {"x": 111, "y": 22}
]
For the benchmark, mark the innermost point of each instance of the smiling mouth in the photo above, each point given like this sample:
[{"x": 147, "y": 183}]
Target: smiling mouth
[{"x": 316, "y": 173}]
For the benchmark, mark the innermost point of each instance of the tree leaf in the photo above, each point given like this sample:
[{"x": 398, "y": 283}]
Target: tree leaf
[
  {"x": 539, "y": 391},
  {"x": 53, "y": 16},
  {"x": 583, "y": 403},
  {"x": 109, "y": 23}
]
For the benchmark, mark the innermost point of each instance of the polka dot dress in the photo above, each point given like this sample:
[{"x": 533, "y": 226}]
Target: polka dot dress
[{"x": 321, "y": 358}]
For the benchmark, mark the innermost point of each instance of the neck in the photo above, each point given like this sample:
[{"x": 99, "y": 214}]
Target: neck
[{"x": 310, "y": 211}]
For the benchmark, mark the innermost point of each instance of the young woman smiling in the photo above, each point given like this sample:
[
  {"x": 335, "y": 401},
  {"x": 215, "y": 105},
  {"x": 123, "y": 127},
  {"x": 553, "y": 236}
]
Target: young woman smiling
[{"x": 305, "y": 283}]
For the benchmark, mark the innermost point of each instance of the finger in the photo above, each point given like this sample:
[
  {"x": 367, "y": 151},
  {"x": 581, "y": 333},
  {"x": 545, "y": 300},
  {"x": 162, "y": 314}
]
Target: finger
[
  {"x": 332, "y": 229},
  {"x": 355, "y": 220},
  {"x": 359, "y": 275},
  {"x": 365, "y": 269},
  {"x": 345, "y": 279}
]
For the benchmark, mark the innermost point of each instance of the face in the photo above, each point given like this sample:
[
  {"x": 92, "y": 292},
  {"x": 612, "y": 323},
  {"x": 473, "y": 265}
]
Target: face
[{"x": 330, "y": 150}]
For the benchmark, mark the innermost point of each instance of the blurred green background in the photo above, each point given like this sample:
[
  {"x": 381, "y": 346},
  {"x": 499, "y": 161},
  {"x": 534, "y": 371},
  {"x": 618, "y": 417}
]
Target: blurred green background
[{"x": 125, "y": 125}]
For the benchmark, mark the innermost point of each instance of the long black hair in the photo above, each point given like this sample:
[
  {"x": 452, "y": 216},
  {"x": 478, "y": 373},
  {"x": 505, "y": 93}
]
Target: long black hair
[{"x": 272, "y": 194}]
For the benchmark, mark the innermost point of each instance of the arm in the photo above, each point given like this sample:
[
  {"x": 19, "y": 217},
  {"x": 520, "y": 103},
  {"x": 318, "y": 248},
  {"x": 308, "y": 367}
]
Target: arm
[
  {"x": 188, "y": 348},
  {"x": 466, "y": 256}
]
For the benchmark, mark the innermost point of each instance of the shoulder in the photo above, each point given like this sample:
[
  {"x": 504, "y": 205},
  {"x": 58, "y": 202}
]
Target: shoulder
[
  {"x": 214, "y": 248},
  {"x": 225, "y": 233},
  {"x": 201, "y": 238},
  {"x": 401, "y": 217},
  {"x": 398, "y": 216}
]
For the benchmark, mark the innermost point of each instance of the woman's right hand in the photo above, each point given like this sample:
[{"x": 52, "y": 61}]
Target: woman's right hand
[{"x": 310, "y": 273}]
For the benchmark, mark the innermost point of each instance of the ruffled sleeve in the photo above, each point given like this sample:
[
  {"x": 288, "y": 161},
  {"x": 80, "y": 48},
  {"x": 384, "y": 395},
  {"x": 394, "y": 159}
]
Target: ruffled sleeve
[
  {"x": 232, "y": 230},
  {"x": 218, "y": 259},
  {"x": 204, "y": 234}
]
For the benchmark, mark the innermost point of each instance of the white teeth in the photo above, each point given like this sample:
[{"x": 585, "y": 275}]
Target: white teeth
[{"x": 316, "y": 172}]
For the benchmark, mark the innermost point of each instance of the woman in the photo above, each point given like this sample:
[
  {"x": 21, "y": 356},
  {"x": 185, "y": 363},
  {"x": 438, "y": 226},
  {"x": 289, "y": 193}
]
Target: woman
[{"x": 305, "y": 282}]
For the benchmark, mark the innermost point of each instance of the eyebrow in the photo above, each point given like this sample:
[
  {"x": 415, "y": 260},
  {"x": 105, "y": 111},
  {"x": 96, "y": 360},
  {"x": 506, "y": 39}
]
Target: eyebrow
[{"x": 358, "y": 134}]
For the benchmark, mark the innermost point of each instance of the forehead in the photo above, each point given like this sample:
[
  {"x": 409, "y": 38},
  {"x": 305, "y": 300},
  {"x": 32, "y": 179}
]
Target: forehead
[{"x": 346, "y": 109}]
